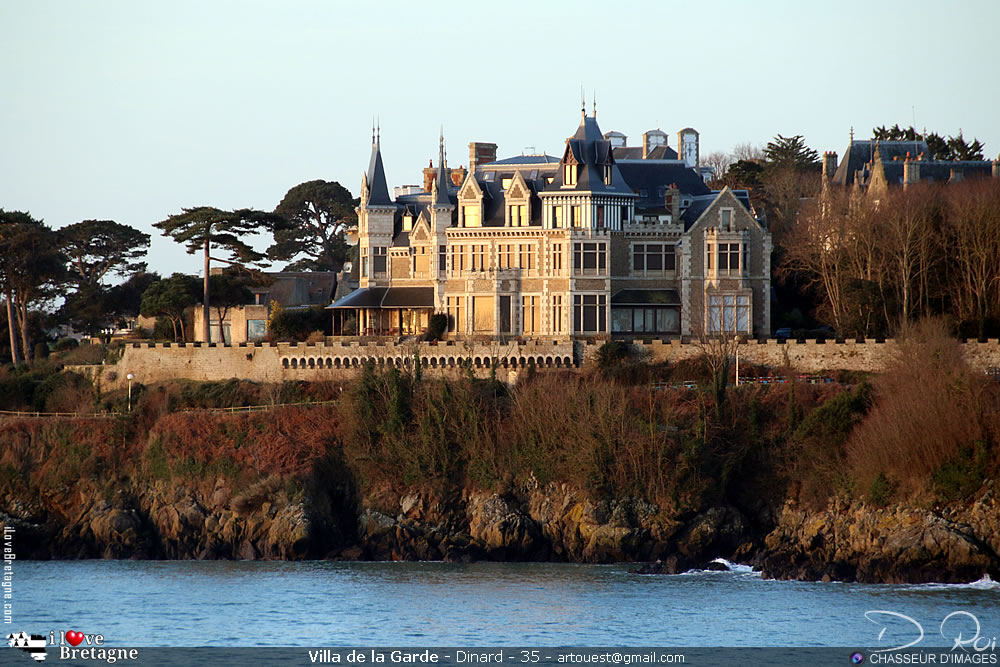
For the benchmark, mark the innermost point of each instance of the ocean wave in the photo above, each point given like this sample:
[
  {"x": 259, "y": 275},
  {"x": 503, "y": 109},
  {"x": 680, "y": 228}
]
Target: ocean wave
[{"x": 984, "y": 584}]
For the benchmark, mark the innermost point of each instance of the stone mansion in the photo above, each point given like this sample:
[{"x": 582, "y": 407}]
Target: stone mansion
[{"x": 606, "y": 240}]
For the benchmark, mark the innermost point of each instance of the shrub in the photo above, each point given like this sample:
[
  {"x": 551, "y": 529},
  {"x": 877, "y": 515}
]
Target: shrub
[
  {"x": 437, "y": 325},
  {"x": 613, "y": 353},
  {"x": 929, "y": 406},
  {"x": 298, "y": 324},
  {"x": 64, "y": 344}
]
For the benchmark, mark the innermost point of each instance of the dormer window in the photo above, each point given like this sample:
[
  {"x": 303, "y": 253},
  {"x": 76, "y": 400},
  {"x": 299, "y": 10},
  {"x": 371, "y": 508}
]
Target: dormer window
[
  {"x": 407, "y": 223},
  {"x": 505, "y": 183},
  {"x": 569, "y": 174},
  {"x": 607, "y": 174}
]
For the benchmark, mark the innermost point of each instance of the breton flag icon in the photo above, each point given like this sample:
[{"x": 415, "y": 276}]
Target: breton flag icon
[{"x": 34, "y": 645}]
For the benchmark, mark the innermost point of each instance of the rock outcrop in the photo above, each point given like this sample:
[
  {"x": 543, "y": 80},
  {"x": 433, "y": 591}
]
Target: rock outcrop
[{"x": 855, "y": 542}]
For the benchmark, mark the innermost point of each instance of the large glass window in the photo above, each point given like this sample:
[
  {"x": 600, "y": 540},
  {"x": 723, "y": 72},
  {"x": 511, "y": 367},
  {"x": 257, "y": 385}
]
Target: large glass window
[
  {"x": 557, "y": 214},
  {"x": 531, "y": 321},
  {"x": 729, "y": 258},
  {"x": 729, "y": 313},
  {"x": 379, "y": 258},
  {"x": 569, "y": 174},
  {"x": 471, "y": 215},
  {"x": 589, "y": 258},
  {"x": 505, "y": 315},
  {"x": 456, "y": 313},
  {"x": 590, "y": 313},
  {"x": 557, "y": 314},
  {"x": 648, "y": 319},
  {"x": 518, "y": 215},
  {"x": 557, "y": 258},
  {"x": 256, "y": 329},
  {"x": 653, "y": 258}
]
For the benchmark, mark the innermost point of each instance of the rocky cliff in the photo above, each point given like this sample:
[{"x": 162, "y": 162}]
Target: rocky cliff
[{"x": 850, "y": 542}]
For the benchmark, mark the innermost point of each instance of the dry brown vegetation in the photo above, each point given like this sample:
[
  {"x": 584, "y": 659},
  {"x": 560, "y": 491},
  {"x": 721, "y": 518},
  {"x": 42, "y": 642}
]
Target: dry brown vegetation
[{"x": 933, "y": 425}]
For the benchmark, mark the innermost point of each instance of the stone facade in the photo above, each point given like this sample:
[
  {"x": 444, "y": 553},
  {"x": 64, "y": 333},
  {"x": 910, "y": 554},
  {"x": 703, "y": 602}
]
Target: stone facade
[{"x": 597, "y": 243}]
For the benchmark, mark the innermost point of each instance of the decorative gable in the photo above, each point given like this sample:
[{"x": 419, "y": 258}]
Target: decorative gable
[
  {"x": 422, "y": 229},
  {"x": 518, "y": 188},
  {"x": 470, "y": 189}
]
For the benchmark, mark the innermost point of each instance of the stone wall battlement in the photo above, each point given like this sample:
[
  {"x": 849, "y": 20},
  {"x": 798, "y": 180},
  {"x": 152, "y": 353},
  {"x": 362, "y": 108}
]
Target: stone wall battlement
[{"x": 341, "y": 360}]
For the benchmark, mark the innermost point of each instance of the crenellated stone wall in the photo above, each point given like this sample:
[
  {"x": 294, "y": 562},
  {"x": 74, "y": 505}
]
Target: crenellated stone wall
[
  {"x": 809, "y": 356},
  {"x": 277, "y": 362}
]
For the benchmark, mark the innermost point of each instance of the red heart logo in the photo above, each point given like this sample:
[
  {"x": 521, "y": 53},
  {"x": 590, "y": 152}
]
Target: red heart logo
[{"x": 74, "y": 637}]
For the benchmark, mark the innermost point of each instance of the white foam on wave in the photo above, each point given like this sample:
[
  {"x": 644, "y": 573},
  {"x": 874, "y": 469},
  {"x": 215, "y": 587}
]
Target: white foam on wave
[
  {"x": 733, "y": 568},
  {"x": 984, "y": 584},
  {"x": 738, "y": 568}
]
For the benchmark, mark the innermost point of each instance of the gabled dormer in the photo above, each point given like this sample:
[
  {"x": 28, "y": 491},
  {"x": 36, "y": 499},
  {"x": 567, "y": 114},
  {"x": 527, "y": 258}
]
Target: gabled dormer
[
  {"x": 470, "y": 203},
  {"x": 517, "y": 201}
]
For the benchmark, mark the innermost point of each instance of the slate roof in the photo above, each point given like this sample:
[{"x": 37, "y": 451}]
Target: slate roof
[
  {"x": 591, "y": 151},
  {"x": 701, "y": 203},
  {"x": 651, "y": 178},
  {"x": 861, "y": 152},
  {"x": 937, "y": 171},
  {"x": 387, "y": 297},
  {"x": 378, "y": 192},
  {"x": 299, "y": 288},
  {"x": 524, "y": 159}
]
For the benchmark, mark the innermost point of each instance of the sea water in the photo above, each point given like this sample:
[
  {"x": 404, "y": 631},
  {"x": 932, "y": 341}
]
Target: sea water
[{"x": 227, "y": 603}]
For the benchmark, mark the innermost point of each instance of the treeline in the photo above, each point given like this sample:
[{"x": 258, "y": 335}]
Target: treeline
[
  {"x": 41, "y": 267},
  {"x": 876, "y": 264}
]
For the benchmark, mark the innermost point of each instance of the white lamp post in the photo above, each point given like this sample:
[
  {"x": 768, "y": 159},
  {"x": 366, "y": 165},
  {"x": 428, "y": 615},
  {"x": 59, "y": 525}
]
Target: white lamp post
[
  {"x": 736, "y": 340},
  {"x": 130, "y": 377}
]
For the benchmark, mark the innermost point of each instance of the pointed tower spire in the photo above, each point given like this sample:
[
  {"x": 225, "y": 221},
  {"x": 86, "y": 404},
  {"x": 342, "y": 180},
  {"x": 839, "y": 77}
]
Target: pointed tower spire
[
  {"x": 378, "y": 194},
  {"x": 441, "y": 181},
  {"x": 595, "y": 103},
  {"x": 373, "y": 130},
  {"x": 583, "y": 102}
]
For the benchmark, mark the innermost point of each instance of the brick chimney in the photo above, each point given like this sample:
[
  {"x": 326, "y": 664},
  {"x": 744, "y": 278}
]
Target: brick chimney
[
  {"x": 672, "y": 202},
  {"x": 481, "y": 153},
  {"x": 430, "y": 173},
  {"x": 457, "y": 175}
]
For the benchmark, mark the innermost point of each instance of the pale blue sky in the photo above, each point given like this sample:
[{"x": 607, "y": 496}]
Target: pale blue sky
[{"x": 131, "y": 110}]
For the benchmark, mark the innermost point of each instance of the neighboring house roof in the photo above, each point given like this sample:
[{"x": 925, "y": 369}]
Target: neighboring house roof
[
  {"x": 937, "y": 171},
  {"x": 860, "y": 152},
  {"x": 298, "y": 288}
]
